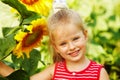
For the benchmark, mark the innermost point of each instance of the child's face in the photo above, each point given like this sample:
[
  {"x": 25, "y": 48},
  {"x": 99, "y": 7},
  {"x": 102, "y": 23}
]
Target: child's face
[{"x": 70, "y": 42}]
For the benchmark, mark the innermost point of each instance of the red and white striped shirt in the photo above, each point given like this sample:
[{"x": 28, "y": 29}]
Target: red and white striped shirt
[{"x": 92, "y": 72}]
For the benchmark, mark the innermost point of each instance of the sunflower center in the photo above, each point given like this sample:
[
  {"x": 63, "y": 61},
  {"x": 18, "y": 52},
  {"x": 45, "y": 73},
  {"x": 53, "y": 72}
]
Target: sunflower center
[
  {"x": 31, "y": 39},
  {"x": 29, "y": 2}
]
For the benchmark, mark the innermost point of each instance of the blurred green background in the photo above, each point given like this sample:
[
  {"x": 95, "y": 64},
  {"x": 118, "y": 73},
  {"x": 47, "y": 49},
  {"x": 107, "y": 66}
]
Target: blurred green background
[{"x": 102, "y": 20}]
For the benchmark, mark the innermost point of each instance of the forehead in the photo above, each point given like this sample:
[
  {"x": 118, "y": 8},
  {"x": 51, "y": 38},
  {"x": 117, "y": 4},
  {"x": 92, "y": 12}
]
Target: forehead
[{"x": 65, "y": 31}]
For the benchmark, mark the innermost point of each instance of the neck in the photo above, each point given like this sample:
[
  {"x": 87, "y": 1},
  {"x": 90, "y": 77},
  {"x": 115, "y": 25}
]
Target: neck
[{"x": 78, "y": 65}]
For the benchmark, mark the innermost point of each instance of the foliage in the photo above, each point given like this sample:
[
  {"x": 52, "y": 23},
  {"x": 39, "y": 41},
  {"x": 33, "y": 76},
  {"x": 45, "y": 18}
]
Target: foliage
[
  {"x": 19, "y": 75},
  {"x": 26, "y": 64}
]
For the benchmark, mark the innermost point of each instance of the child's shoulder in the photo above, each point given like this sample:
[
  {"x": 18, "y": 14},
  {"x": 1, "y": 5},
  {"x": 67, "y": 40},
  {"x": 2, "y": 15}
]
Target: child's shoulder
[
  {"x": 103, "y": 75},
  {"x": 51, "y": 68}
]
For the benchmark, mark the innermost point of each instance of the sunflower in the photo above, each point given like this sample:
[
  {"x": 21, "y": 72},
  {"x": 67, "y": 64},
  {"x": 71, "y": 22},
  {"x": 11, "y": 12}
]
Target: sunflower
[
  {"x": 40, "y": 6},
  {"x": 32, "y": 39}
]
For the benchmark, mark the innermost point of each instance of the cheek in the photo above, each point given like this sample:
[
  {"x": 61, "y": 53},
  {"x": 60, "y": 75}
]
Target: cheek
[
  {"x": 83, "y": 47},
  {"x": 81, "y": 44},
  {"x": 63, "y": 49}
]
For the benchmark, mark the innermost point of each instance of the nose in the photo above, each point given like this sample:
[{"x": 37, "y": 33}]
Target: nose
[{"x": 71, "y": 46}]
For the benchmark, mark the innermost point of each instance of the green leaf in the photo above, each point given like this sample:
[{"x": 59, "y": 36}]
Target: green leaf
[
  {"x": 30, "y": 64},
  {"x": 30, "y": 17},
  {"x": 6, "y": 30},
  {"x": 9, "y": 30},
  {"x": 1, "y": 78},
  {"x": 7, "y": 44},
  {"x": 16, "y": 61},
  {"x": 18, "y": 75}
]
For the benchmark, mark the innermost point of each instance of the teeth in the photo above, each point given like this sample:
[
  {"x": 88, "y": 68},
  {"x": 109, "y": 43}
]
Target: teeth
[{"x": 73, "y": 52}]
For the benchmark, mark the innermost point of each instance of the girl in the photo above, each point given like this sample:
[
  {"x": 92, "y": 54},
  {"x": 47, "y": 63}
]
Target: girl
[{"x": 68, "y": 38}]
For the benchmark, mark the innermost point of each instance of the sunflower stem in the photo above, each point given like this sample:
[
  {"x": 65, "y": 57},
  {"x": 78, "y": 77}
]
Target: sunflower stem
[
  {"x": 13, "y": 30},
  {"x": 21, "y": 21},
  {"x": 5, "y": 57}
]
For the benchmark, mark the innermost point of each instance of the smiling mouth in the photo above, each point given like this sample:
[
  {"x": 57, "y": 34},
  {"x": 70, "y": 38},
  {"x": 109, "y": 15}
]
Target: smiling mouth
[{"x": 75, "y": 53}]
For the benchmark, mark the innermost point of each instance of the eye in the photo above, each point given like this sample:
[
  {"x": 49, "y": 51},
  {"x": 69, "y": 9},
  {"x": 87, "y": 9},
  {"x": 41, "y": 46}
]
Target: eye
[
  {"x": 62, "y": 44},
  {"x": 76, "y": 38}
]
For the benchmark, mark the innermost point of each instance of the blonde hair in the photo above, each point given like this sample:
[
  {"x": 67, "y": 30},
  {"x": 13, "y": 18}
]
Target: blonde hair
[{"x": 62, "y": 17}]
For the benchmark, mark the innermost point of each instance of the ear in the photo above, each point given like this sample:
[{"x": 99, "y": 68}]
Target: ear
[{"x": 86, "y": 34}]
